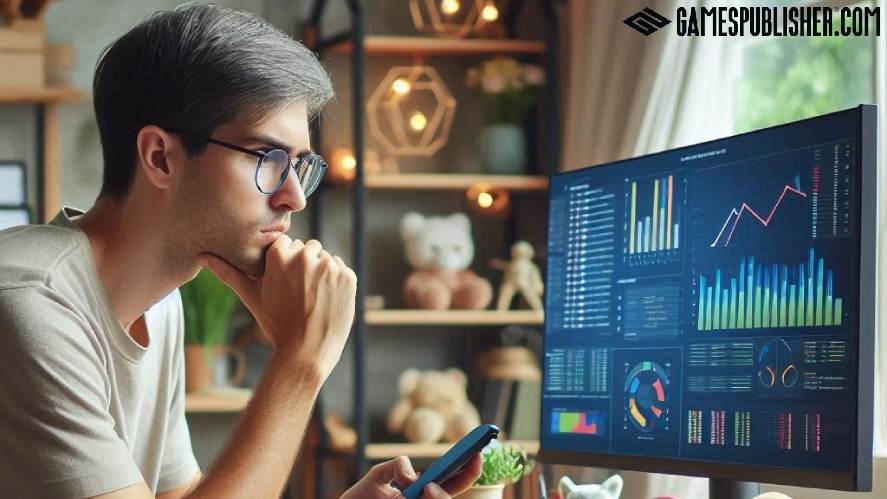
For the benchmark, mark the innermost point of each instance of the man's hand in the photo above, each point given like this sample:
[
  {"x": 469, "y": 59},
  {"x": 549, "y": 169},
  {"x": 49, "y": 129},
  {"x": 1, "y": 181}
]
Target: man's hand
[
  {"x": 376, "y": 484},
  {"x": 304, "y": 302}
]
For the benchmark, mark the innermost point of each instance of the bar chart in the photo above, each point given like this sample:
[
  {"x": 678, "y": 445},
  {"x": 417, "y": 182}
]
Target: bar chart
[
  {"x": 768, "y": 296},
  {"x": 585, "y": 423},
  {"x": 653, "y": 218}
]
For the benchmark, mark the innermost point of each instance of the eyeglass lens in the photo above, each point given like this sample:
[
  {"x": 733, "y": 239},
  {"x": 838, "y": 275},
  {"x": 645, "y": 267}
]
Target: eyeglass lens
[{"x": 272, "y": 167}]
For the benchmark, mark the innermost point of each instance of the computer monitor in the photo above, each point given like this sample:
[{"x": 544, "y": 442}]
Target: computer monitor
[{"x": 710, "y": 309}]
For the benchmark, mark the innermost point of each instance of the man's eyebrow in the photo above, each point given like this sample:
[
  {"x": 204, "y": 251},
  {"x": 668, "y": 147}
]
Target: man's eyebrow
[{"x": 275, "y": 143}]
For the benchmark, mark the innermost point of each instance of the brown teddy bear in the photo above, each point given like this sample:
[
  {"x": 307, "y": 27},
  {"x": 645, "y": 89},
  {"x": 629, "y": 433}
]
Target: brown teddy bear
[
  {"x": 433, "y": 405},
  {"x": 440, "y": 250}
]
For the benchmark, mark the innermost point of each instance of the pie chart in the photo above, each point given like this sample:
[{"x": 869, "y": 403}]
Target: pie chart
[{"x": 646, "y": 401}]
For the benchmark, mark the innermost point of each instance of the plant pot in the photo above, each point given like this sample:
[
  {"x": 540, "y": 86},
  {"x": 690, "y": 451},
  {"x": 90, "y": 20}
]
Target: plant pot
[
  {"x": 503, "y": 149},
  {"x": 484, "y": 492},
  {"x": 200, "y": 366}
]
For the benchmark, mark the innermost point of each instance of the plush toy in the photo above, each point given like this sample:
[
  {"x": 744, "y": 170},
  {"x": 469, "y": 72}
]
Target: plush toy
[
  {"x": 521, "y": 275},
  {"x": 610, "y": 489},
  {"x": 440, "y": 250},
  {"x": 433, "y": 405}
]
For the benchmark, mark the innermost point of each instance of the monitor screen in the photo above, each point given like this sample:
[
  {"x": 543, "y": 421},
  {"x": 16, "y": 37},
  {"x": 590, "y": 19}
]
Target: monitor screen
[{"x": 710, "y": 311}]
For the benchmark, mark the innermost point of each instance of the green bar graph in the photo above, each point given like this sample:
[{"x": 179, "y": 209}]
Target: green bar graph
[{"x": 769, "y": 296}]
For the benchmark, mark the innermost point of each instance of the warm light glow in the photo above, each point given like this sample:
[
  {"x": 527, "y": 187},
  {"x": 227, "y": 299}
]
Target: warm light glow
[
  {"x": 418, "y": 121},
  {"x": 449, "y": 7},
  {"x": 348, "y": 162},
  {"x": 490, "y": 13},
  {"x": 401, "y": 86},
  {"x": 485, "y": 200}
]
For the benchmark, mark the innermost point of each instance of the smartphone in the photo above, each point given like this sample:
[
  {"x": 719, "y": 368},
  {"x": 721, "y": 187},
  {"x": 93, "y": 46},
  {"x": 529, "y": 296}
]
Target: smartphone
[{"x": 454, "y": 460}]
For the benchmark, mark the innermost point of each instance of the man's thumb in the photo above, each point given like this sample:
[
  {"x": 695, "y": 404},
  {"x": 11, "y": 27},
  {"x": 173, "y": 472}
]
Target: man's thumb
[{"x": 245, "y": 287}]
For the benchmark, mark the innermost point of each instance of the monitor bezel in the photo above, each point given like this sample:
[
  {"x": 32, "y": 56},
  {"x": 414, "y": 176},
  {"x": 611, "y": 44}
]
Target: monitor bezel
[{"x": 860, "y": 476}]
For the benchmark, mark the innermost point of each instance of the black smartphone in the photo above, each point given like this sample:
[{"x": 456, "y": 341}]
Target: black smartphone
[{"x": 454, "y": 460}]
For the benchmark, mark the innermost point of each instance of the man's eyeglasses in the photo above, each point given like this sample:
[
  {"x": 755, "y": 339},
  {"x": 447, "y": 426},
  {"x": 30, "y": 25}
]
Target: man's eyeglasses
[{"x": 272, "y": 167}]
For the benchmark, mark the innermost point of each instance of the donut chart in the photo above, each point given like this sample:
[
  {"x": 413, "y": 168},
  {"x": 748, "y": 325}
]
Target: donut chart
[{"x": 646, "y": 396}]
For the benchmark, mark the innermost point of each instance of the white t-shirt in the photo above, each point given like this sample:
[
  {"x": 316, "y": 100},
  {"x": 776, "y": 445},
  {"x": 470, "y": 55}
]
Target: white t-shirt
[{"x": 84, "y": 409}]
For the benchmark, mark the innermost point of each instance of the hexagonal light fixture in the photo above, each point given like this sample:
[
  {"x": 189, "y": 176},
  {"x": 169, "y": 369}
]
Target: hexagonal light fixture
[
  {"x": 452, "y": 18},
  {"x": 411, "y": 111}
]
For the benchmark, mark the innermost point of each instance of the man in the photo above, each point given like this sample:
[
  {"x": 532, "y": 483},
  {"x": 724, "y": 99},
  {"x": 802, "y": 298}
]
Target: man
[{"x": 202, "y": 113}]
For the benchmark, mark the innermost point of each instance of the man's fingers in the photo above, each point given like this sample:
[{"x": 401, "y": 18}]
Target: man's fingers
[
  {"x": 466, "y": 478},
  {"x": 313, "y": 248},
  {"x": 398, "y": 470},
  {"x": 245, "y": 287}
]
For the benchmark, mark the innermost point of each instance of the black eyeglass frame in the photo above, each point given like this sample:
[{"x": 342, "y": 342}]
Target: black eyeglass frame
[{"x": 300, "y": 161}]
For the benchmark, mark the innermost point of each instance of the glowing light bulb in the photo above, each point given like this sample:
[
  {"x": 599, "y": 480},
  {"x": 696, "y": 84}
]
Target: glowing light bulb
[
  {"x": 418, "y": 121},
  {"x": 484, "y": 200},
  {"x": 489, "y": 13},
  {"x": 401, "y": 86},
  {"x": 449, "y": 7},
  {"x": 348, "y": 162}
]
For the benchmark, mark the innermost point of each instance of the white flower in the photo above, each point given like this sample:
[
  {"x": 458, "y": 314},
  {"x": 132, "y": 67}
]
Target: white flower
[
  {"x": 533, "y": 75},
  {"x": 493, "y": 84}
]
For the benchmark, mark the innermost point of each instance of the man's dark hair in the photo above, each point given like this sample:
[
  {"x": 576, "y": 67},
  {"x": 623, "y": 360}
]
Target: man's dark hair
[{"x": 196, "y": 67}]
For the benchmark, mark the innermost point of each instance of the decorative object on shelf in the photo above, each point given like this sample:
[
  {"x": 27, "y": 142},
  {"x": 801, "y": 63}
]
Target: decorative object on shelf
[
  {"x": 440, "y": 249},
  {"x": 22, "y": 43},
  {"x": 512, "y": 389},
  {"x": 343, "y": 165},
  {"x": 511, "y": 363},
  {"x": 208, "y": 304},
  {"x": 411, "y": 111},
  {"x": 509, "y": 88},
  {"x": 501, "y": 466},
  {"x": 60, "y": 59},
  {"x": 12, "y": 183},
  {"x": 485, "y": 199},
  {"x": 374, "y": 302},
  {"x": 521, "y": 276},
  {"x": 610, "y": 489},
  {"x": 433, "y": 406},
  {"x": 453, "y": 18},
  {"x": 341, "y": 436}
]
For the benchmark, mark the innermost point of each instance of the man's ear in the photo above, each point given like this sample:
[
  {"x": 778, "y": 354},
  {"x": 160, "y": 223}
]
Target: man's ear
[{"x": 158, "y": 153}]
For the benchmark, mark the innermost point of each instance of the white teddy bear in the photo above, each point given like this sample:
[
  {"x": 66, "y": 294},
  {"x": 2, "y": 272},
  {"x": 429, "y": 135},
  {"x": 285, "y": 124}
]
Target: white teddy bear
[{"x": 440, "y": 250}]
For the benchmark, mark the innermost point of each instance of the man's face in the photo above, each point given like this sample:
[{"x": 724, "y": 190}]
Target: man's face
[{"x": 217, "y": 207}]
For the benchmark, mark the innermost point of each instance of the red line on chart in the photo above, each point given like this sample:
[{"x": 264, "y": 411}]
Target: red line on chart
[{"x": 737, "y": 214}]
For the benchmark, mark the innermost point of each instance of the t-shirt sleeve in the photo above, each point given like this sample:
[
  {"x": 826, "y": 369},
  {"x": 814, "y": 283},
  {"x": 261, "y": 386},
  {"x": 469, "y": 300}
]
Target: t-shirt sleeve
[
  {"x": 179, "y": 465},
  {"x": 58, "y": 438}
]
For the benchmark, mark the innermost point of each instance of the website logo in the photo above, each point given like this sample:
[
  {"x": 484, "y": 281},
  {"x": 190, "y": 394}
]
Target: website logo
[{"x": 647, "y": 21}]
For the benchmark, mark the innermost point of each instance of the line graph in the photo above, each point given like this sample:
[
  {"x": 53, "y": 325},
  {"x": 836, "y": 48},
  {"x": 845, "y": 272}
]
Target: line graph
[{"x": 735, "y": 215}]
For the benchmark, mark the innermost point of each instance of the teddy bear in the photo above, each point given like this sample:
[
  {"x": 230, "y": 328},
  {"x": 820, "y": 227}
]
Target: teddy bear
[
  {"x": 440, "y": 250},
  {"x": 433, "y": 405}
]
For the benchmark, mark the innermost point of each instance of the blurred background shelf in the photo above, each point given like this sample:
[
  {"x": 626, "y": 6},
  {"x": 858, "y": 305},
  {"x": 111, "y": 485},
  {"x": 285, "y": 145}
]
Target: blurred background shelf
[
  {"x": 218, "y": 399},
  {"x": 379, "y": 452},
  {"x": 455, "y": 181},
  {"x": 411, "y": 45},
  {"x": 453, "y": 317},
  {"x": 40, "y": 95}
]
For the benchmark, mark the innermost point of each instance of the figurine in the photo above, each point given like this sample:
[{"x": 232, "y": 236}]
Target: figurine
[{"x": 521, "y": 275}]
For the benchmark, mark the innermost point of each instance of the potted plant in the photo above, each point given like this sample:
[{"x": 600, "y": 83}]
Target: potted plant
[
  {"x": 509, "y": 88},
  {"x": 208, "y": 304},
  {"x": 501, "y": 466}
]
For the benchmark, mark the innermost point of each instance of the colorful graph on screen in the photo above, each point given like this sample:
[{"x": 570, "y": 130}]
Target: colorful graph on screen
[
  {"x": 582, "y": 423},
  {"x": 653, "y": 229},
  {"x": 646, "y": 396},
  {"x": 769, "y": 295},
  {"x": 726, "y": 234}
]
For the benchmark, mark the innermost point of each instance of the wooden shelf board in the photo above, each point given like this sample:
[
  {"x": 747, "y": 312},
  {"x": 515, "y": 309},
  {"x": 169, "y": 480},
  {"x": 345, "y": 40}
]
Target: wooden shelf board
[
  {"x": 415, "y": 45},
  {"x": 453, "y": 317},
  {"x": 430, "y": 451},
  {"x": 45, "y": 95},
  {"x": 455, "y": 181},
  {"x": 218, "y": 399}
]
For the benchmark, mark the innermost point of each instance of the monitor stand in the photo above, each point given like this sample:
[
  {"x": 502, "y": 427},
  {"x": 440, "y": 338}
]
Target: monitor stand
[{"x": 729, "y": 489}]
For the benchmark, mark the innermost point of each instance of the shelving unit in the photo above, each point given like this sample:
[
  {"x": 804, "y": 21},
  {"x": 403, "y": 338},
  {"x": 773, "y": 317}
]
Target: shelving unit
[
  {"x": 218, "y": 399},
  {"x": 356, "y": 44},
  {"x": 46, "y": 102}
]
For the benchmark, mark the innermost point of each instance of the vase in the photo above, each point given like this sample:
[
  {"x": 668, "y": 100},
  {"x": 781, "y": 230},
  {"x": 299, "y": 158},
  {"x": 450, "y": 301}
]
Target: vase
[
  {"x": 484, "y": 492},
  {"x": 203, "y": 362},
  {"x": 503, "y": 148}
]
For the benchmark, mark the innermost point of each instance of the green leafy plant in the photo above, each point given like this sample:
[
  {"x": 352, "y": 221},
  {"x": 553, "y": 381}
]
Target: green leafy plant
[
  {"x": 208, "y": 304},
  {"x": 503, "y": 465}
]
